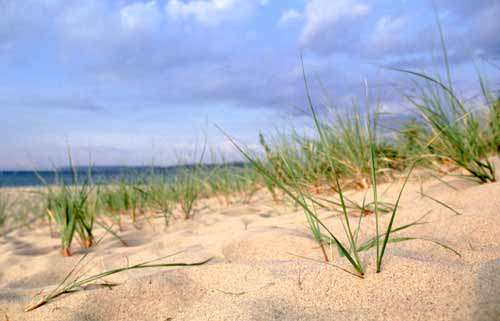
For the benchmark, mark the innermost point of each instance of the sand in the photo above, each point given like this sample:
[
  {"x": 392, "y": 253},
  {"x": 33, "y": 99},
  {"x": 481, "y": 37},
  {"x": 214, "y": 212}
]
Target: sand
[{"x": 256, "y": 274}]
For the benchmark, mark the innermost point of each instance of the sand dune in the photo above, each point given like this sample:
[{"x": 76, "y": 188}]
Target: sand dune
[{"x": 256, "y": 274}]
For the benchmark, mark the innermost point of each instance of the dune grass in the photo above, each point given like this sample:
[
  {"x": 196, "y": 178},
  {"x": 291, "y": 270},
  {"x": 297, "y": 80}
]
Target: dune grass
[
  {"x": 111, "y": 204},
  {"x": 69, "y": 208},
  {"x": 158, "y": 196},
  {"x": 346, "y": 143},
  {"x": 5, "y": 205},
  {"x": 411, "y": 141},
  {"x": 360, "y": 157},
  {"x": 186, "y": 190},
  {"x": 222, "y": 182},
  {"x": 346, "y": 152},
  {"x": 73, "y": 208},
  {"x": 494, "y": 123},
  {"x": 122, "y": 197},
  {"x": 346, "y": 139},
  {"x": 229, "y": 183},
  {"x": 459, "y": 134}
]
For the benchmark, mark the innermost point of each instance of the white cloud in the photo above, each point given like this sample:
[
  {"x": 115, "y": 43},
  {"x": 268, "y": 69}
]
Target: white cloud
[
  {"x": 388, "y": 35},
  {"x": 325, "y": 15},
  {"x": 94, "y": 22},
  {"x": 213, "y": 12},
  {"x": 387, "y": 25},
  {"x": 141, "y": 16},
  {"x": 290, "y": 16}
]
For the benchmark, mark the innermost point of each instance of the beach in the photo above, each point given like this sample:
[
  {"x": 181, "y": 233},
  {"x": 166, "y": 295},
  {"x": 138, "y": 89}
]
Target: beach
[{"x": 264, "y": 265}]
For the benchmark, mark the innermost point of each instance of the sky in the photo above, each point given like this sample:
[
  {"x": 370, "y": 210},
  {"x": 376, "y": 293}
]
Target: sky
[{"x": 121, "y": 82}]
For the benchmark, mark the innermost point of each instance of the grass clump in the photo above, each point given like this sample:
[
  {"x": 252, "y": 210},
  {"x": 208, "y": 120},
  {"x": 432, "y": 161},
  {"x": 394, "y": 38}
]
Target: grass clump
[
  {"x": 346, "y": 141},
  {"x": 186, "y": 190},
  {"x": 158, "y": 196},
  {"x": 459, "y": 134},
  {"x": 122, "y": 197},
  {"x": 411, "y": 141},
  {"x": 111, "y": 204},
  {"x": 229, "y": 183},
  {"x": 72, "y": 208}
]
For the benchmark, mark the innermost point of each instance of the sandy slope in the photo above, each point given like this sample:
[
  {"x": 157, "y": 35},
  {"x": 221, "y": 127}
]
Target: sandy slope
[{"x": 255, "y": 275}]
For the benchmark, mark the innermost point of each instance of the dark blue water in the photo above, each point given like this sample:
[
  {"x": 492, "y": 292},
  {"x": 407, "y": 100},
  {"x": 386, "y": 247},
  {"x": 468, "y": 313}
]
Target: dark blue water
[{"x": 100, "y": 175}]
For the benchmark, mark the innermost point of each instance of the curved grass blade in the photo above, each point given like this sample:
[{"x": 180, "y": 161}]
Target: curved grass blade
[
  {"x": 399, "y": 239},
  {"x": 67, "y": 286}
]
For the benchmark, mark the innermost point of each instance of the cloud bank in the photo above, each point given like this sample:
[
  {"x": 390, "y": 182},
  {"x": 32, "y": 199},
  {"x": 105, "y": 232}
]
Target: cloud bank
[{"x": 112, "y": 71}]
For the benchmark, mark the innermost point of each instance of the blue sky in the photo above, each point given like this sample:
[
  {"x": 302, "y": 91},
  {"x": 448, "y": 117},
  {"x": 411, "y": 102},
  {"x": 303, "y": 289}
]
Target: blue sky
[{"x": 131, "y": 82}]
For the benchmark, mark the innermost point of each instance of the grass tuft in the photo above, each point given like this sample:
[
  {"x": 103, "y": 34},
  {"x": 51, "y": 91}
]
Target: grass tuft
[
  {"x": 459, "y": 134},
  {"x": 72, "y": 209}
]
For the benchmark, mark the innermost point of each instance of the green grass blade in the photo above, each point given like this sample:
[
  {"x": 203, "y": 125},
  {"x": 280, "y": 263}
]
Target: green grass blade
[{"x": 393, "y": 217}]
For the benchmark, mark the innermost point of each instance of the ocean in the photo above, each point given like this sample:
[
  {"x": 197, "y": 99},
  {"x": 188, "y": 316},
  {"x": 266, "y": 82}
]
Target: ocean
[{"x": 100, "y": 175}]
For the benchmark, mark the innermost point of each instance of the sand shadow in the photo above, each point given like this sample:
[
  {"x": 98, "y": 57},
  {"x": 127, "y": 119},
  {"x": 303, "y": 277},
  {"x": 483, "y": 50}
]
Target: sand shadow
[
  {"x": 280, "y": 309},
  {"x": 488, "y": 292},
  {"x": 84, "y": 317},
  {"x": 26, "y": 249},
  {"x": 240, "y": 211},
  {"x": 9, "y": 297},
  {"x": 459, "y": 184},
  {"x": 131, "y": 242},
  {"x": 42, "y": 279}
]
